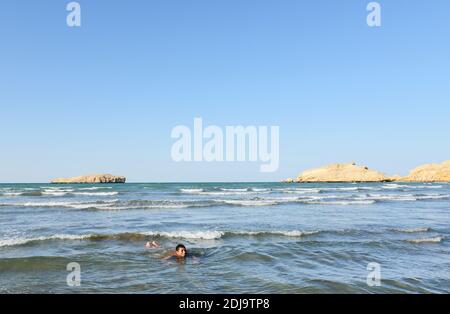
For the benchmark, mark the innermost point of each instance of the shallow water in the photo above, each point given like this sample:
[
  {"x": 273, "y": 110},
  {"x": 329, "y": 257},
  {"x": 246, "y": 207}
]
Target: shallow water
[{"x": 247, "y": 237}]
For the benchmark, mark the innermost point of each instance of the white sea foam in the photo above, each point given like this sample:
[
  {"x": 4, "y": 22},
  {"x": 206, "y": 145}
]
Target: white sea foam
[
  {"x": 215, "y": 193},
  {"x": 204, "y": 235},
  {"x": 292, "y": 233},
  {"x": 191, "y": 191},
  {"x": 90, "y": 205},
  {"x": 429, "y": 187},
  {"x": 62, "y": 192},
  {"x": 394, "y": 186},
  {"x": 342, "y": 189},
  {"x": 21, "y": 241},
  {"x": 403, "y": 197},
  {"x": 12, "y": 193},
  {"x": 405, "y": 186},
  {"x": 413, "y": 230},
  {"x": 342, "y": 203},
  {"x": 54, "y": 193},
  {"x": 391, "y": 197},
  {"x": 426, "y": 240},
  {"x": 284, "y": 199},
  {"x": 260, "y": 190},
  {"x": 432, "y": 196},
  {"x": 96, "y": 188},
  {"x": 192, "y": 235},
  {"x": 79, "y": 205},
  {"x": 96, "y": 193},
  {"x": 299, "y": 190},
  {"x": 58, "y": 190},
  {"x": 264, "y": 202},
  {"x": 324, "y": 197},
  {"x": 210, "y": 235},
  {"x": 45, "y": 204},
  {"x": 155, "y": 206}
]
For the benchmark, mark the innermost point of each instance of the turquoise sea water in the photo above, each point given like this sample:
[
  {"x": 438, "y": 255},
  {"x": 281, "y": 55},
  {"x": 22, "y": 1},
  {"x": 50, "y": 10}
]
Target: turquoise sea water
[{"x": 247, "y": 237}]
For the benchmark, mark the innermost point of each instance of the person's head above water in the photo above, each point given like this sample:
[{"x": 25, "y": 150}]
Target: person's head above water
[{"x": 180, "y": 250}]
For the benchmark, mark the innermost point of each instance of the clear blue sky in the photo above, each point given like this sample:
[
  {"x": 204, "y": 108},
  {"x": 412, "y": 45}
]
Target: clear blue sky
[{"x": 105, "y": 97}]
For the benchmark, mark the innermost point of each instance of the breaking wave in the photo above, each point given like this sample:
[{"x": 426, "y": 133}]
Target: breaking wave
[
  {"x": 22, "y": 241},
  {"x": 191, "y": 191},
  {"x": 426, "y": 240},
  {"x": 261, "y": 202},
  {"x": 342, "y": 203},
  {"x": 413, "y": 230},
  {"x": 141, "y": 236}
]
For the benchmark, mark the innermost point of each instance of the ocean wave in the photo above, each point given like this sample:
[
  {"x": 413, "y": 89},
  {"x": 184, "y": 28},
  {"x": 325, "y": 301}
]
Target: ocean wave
[
  {"x": 216, "y": 193},
  {"x": 202, "y": 235},
  {"x": 405, "y": 186},
  {"x": 326, "y": 189},
  {"x": 341, "y": 189},
  {"x": 226, "y": 191},
  {"x": 12, "y": 193},
  {"x": 152, "y": 204},
  {"x": 55, "y": 193},
  {"x": 432, "y": 196},
  {"x": 429, "y": 186},
  {"x": 261, "y": 189},
  {"x": 299, "y": 190},
  {"x": 390, "y": 197},
  {"x": 52, "y": 190},
  {"x": 292, "y": 233},
  {"x": 191, "y": 191},
  {"x": 22, "y": 193},
  {"x": 116, "y": 204},
  {"x": 142, "y": 236},
  {"x": 76, "y": 205},
  {"x": 341, "y": 203},
  {"x": 413, "y": 230},
  {"x": 394, "y": 186},
  {"x": 426, "y": 240},
  {"x": 190, "y": 235},
  {"x": 260, "y": 202},
  {"x": 61, "y": 192},
  {"x": 403, "y": 197},
  {"x": 96, "y": 193},
  {"x": 95, "y": 188},
  {"x": 124, "y": 236},
  {"x": 113, "y": 208},
  {"x": 22, "y": 241}
]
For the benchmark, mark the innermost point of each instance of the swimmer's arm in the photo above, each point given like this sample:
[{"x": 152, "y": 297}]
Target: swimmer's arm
[{"x": 169, "y": 255}]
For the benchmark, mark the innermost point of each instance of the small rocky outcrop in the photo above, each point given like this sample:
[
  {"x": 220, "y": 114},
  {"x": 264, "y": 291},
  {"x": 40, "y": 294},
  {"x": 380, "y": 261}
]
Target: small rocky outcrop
[
  {"x": 349, "y": 172},
  {"x": 94, "y": 178}
]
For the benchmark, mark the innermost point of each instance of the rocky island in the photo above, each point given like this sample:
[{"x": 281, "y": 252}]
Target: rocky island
[
  {"x": 429, "y": 173},
  {"x": 350, "y": 172},
  {"x": 94, "y": 178}
]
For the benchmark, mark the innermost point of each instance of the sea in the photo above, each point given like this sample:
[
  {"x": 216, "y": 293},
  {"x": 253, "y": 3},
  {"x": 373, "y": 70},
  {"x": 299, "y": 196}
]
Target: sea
[{"x": 240, "y": 237}]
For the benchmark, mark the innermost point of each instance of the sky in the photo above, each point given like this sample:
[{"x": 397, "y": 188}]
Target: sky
[{"x": 104, "y": 97}]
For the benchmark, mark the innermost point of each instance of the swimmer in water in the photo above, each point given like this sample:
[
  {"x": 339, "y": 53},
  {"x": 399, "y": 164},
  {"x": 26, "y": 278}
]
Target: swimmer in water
[{"x": 179, "y": 253}]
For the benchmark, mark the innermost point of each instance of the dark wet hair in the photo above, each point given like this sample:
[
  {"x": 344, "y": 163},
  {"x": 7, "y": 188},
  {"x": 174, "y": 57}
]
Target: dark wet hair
[{"x": 180, "y": 246}]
